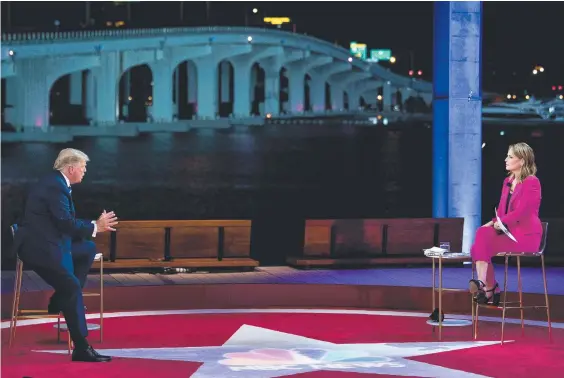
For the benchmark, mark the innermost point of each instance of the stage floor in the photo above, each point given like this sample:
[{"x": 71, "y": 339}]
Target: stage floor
[
  {"x": 316, "y": 343},
  {"x": 420, "y": 277}
]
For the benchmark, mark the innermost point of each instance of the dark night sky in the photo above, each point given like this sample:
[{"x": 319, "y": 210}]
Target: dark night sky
[{"x": 517, "y": 35}]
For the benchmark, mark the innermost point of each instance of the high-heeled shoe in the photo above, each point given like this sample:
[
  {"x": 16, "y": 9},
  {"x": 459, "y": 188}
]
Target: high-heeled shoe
[
  {"x": 475, "y": 286},
  {"x": 482, "y": 297}
]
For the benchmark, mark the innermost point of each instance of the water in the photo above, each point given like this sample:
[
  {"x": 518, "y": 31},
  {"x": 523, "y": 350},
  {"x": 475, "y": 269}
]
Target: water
[{"x": 277, "y": 175}]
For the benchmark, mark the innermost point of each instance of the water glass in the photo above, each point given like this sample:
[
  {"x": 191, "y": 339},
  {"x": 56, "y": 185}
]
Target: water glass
[{"x": 445, "y": 246}]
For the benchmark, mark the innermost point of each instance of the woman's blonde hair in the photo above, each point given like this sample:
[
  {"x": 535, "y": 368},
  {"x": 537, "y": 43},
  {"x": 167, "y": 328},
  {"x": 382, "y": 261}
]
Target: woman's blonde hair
[
  {"x": 69, "y": 156},
  {"x": 525, "y": 152}
]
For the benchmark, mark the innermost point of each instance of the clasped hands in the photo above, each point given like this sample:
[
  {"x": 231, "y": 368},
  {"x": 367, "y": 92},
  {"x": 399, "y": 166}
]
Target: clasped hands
[
  {"x": 493, "y": 224},
  {"x": 107, "y": 221}
]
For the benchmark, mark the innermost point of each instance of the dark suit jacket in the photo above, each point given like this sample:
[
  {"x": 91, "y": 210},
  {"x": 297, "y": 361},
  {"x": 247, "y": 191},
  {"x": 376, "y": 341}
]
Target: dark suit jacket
[{"x": 49, "y": 224}]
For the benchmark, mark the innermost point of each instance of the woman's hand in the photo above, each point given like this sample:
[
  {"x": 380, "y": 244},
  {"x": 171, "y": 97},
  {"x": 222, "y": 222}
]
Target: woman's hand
[
  {"x": 496, "y": 226},
  {"x": 489, "y": 224}
]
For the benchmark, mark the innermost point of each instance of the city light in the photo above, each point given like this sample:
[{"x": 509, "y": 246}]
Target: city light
[
  {"x": 527, "y": 97},
  {"x": 276, "y": 20},
  {"x": 561, "y": 97},
  {"x": 249, "y": 38},
  {"x": 350, "y": 59},
  {"x": 255, "y": 10},
  {"x": 538, "y": 69},
  {"x": 509, "y": 97},
  {"x": 410, "y": 72},
  {"x": 393, "y": 59},
  {"x": 514, "y": 97},
  {"x": 11, "y": 52},
  {"x": 419, "y": 72},
  {"x": 379, "y": 97}
]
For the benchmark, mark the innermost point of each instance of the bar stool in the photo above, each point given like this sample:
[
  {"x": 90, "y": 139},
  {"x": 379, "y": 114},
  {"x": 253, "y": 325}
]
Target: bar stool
[
  {"x": 518, "y": 305},
  {"x": 18, "y": 313}
]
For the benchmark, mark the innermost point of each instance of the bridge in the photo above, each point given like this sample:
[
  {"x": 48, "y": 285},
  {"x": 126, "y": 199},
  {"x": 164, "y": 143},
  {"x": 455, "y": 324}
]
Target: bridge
[{"x": 321, "y": 77}]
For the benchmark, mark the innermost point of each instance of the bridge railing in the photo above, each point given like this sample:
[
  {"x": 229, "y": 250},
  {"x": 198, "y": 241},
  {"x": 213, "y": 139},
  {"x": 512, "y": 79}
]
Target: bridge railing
[{"x": 13, "y": 39}]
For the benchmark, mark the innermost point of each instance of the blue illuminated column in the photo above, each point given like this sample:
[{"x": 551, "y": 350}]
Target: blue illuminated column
[{"x": 457, "y": 114}]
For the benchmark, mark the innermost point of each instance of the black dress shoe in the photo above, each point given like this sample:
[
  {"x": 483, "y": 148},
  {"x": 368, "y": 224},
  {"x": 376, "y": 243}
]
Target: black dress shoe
[
  {"x": 435, "y": 316},
  {"x": 89, "y": 355}
]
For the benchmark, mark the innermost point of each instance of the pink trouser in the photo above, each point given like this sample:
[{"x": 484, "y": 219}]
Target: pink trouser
[{"x": 488, "y": 243}]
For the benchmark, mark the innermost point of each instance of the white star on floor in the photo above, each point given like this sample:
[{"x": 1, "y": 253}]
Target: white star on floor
[{"x": 263, "y": 353}]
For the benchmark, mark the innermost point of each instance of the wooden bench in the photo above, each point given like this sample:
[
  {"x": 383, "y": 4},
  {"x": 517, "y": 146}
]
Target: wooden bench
[
  {"x": 178, "y": 244},
  {"x": 362, "y": 242}
]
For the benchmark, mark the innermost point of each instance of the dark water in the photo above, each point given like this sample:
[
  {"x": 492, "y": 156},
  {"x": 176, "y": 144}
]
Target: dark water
[{"x": 277, "y": 175}]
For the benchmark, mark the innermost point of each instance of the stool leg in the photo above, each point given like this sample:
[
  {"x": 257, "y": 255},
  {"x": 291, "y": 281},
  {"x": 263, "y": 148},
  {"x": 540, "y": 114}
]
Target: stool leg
[
  {"x": 504, "y": 298},
  {"x": 546, "y": 299},
  {"x": 59, "y": 328},
  {"x": 476, "y": 322},
  {"x": 520, "y": 285},
  {"x": 472, "y": 305},
  {"x": 69, "y": 343},
  {"x": 101, "y": 298},
  {"x": 16, "y": 301}
]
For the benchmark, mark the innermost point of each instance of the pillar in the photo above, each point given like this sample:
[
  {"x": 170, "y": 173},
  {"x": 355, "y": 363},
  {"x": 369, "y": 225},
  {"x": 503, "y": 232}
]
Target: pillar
[
  {"x": 29, "y": 95},
  {"x": 271, "y": 91},
  {"x": 162, "y": 108},
  {"x": 107, "y": 77},
  {"x": 457, "y": 114},
  {"x": 337, "y": 98},
  {"x": 296, "y": 90},
  {"x": 242, "y": 86},
  {"x": 206, "y": 70},
  {"x": 90, "y": 96},
  {"x": 317, "y": 93}
]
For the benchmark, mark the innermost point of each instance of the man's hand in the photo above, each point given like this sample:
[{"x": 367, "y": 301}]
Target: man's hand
[{"x": 106, "y": 221}]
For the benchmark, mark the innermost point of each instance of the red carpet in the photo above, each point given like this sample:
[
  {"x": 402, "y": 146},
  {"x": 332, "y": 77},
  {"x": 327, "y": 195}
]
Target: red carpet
[{"x": 288, "y": 344}]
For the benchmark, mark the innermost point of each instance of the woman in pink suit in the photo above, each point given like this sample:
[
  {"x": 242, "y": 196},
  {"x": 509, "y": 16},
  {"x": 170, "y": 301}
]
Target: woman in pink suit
[{"x": 518, "y": 210}]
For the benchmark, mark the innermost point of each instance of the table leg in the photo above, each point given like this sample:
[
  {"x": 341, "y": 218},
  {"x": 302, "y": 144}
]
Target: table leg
[
  {"x": 440, "y": 299},
  {"x": 433, "y": 292}
]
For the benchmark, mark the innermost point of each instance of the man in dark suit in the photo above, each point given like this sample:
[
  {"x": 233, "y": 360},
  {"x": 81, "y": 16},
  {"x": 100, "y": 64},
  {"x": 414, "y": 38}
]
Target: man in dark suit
[{"x": 56, "y": 245}]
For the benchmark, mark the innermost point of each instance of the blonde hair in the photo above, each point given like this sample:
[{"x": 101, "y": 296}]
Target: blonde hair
[
  {"x": 69, "y": 156},
  {"x": 525, "y": 152}
]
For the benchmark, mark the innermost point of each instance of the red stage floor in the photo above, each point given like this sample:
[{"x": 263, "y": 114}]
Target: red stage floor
[{"x": 276, "y": 343}]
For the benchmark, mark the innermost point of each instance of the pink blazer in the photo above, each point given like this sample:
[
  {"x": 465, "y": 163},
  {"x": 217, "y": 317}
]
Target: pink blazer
[{"x": 523, "y": 216}]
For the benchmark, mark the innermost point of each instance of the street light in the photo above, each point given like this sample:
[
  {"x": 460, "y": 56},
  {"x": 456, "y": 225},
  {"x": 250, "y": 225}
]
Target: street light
[
  {"x": 255, "y": 10},
  {"x": 393, "y": 59}
]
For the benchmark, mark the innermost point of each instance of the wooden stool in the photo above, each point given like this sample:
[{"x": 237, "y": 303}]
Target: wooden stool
[
  {"x": 518, "y": 305},
  {"x": 18, "y": 313}
]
